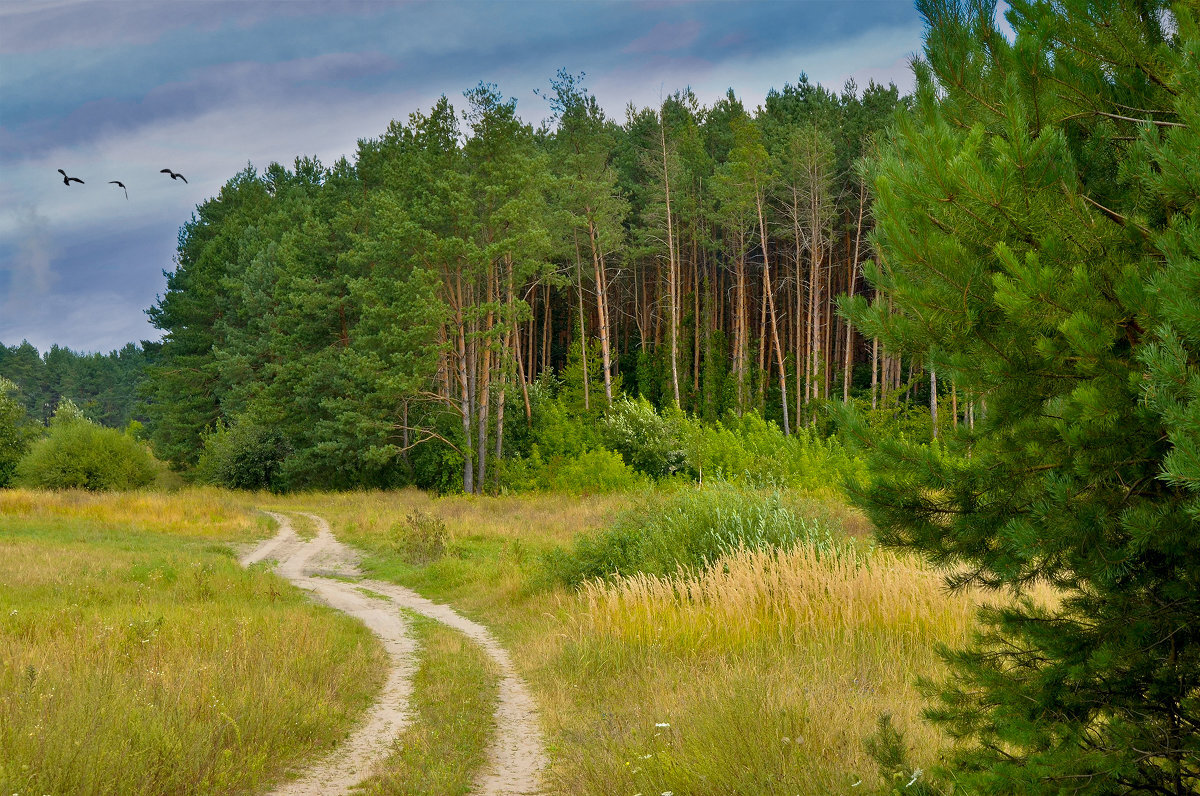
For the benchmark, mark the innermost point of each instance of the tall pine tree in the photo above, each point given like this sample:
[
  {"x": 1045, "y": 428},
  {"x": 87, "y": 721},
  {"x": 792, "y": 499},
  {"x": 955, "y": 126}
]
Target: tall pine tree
[{"x": 1037, "y": 240}]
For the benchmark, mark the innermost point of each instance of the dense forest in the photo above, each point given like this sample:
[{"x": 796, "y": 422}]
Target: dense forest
[
  {"x": 105, "y": 387},
  {"x": 423, "y": 298},
  {"x": 988, "y": 292}
]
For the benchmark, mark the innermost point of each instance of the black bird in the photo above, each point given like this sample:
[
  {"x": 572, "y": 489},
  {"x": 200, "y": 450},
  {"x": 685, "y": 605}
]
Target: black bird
[
  {"x": 68, "y": 180},
  {"x": 122, "y": 186},
  {"x": 174, "y": 175}
]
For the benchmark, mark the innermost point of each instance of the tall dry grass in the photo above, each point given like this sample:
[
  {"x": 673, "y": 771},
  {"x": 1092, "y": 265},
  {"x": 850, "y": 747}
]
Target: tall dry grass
[
  {"x": 364, "y": 517},
  {"x": 769, "y": 670},
  {"x": 195, "y": 512}
]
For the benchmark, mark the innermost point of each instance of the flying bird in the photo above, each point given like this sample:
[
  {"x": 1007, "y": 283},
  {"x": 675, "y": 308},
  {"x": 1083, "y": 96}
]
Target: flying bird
[
  {"x": 121, "y": 185},
  {"x": 174, "y": 175},
  {"x": 68, "y": 180}
]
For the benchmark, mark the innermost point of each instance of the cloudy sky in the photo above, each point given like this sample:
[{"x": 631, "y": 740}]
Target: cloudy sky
[{"x": 118, "y": 90}]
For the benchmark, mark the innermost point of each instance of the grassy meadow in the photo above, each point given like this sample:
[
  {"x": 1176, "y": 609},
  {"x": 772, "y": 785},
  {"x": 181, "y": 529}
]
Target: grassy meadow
[
  {"x": 761, "y": 674},
  {"x": 140, "y": 658}
]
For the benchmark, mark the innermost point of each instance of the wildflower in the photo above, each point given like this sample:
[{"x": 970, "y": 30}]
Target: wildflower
[
  {"x": 661, "y": 725},
  {"x": 856, "y": 784},
  {"x": 915, "y": 775}
]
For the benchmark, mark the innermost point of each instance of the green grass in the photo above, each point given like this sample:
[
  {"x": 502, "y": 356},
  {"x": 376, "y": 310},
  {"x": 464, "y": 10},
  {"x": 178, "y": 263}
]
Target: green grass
[
  {"x": 771, "y": 668},
  {"x": 139, "y": 657},
  {"x": 454, "y": 697}
]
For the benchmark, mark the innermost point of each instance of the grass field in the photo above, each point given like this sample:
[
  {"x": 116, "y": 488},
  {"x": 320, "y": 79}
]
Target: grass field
[
  {"x": 138, "y": 657},
  {"x": 763, "y": 675},
  {"x": 145, "y": 660}
]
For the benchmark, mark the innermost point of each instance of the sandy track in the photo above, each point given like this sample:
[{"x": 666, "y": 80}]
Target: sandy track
[{"x": 516, "y": 755}]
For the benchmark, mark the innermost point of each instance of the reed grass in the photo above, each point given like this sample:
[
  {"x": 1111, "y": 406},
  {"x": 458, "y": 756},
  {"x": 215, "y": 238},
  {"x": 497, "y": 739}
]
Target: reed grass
[{"x": 770, "y": 669}]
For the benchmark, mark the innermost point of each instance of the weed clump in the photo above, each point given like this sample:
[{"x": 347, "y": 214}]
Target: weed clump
[{"x": 421, "y": 539}]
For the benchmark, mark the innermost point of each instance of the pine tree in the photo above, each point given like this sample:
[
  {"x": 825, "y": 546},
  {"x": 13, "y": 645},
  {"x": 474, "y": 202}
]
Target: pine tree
[{"x": 1037, "y": 237}]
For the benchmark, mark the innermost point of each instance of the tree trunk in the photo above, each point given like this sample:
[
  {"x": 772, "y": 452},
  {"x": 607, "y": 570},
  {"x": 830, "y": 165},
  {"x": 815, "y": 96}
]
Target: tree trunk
[
  {"x": 853, "y": 276},
  {"x": 587, "y": 404},
  {"x": 601, "y": 305},
  {"x": 933, "y": 401},
  {"x": 464, "y": 385},
  {"x": 770, "y": 303},
  {"x": 672, "y": 267}
]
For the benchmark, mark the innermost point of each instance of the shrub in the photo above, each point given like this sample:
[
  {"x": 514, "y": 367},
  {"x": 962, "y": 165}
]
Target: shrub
[
  {"x": 244, "y": 455},
  {"x": 587, "y": 473},
  {"x": 77, "y": 454},
  {"x": 647, "y": 441},
  {"x": 420, "y": 539},
  {"x": 592, "y": 472},
  {"x": 14, "y": 438},
  {"x": 557, "y": 432},
  {"x": 751, "y": 451},
  {"x": 690, "y": 529}
]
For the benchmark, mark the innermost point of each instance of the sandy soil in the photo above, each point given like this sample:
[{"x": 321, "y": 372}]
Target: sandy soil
[{"x": 516, "y": 754}]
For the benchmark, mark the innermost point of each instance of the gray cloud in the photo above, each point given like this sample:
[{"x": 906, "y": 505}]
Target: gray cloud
[
  {"x": 118, "y": 90},
  {"x": 28, "y": 271}
]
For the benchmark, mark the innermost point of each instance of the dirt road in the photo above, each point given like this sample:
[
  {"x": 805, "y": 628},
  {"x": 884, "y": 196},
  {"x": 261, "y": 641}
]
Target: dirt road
[{"x": 516, "y": 754}]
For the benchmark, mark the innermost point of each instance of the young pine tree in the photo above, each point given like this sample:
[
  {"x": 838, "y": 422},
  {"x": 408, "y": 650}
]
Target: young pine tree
[{"x": 1037, "y": 236}]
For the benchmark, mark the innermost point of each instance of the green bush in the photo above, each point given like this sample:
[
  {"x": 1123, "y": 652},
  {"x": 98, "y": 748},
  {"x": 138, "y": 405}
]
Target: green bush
[
  {"x": 421, "y": 539},
  {"x": 14, "y": 436},
  {"x": 591, "y": 472},
  {"x": 244, "y": 455},
  {"x": 77, "y": 454},
  {"x": 558, "y": 432},
  {"x": 754, "y": 452},
  {"x": 689, "y": 529},
  {"x": 647, "y": 441}
]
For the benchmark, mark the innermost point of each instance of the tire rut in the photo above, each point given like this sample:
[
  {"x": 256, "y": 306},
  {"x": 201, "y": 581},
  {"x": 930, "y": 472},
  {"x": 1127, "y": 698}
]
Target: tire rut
[{"x": 515, "y": 755}]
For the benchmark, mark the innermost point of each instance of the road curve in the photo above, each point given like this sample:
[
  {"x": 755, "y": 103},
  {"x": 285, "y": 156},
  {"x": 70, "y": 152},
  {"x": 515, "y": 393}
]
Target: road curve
[{"x": 515, "y": 757}]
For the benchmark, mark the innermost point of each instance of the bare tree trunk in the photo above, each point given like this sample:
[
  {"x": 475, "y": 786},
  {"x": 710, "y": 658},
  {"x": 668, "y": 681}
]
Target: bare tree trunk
[
  {"x": 522, "y": 376},
  {"x": 506, "y": 350},
  {"x": 933, "y": 401},
  {"x": 547, "y": 332},
  {"x": 485, "y": 386},
  {"x": 601, "y": 304},
  {"x": 582, "y": 325},
  {"x": 762, "y": 348},
  {"x": 464, "y": 384},
  {"x": 801, "y": 325},
  {"x": 672, "y": 274},
  {"x": 829, "y": 357},
  {"x": 853, "y": 276},
  {"x": 954, "y": 402},
  {"x": 740, "y": 333},
  {"x": 874, "y": 373},
  {"x": 769, "y": 304},
  {"x": 814, "y": 320}
]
